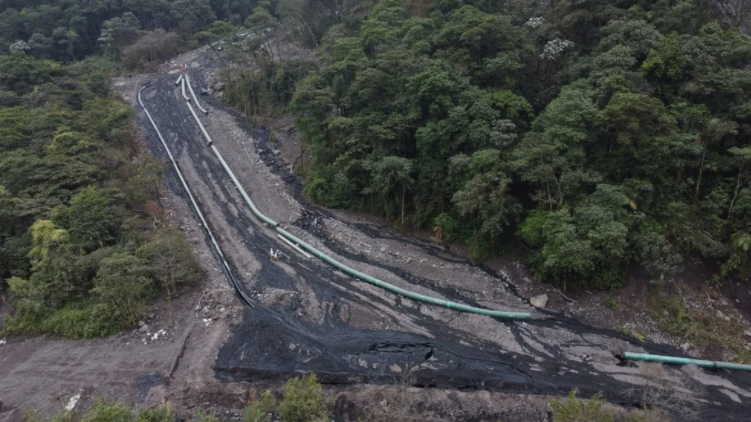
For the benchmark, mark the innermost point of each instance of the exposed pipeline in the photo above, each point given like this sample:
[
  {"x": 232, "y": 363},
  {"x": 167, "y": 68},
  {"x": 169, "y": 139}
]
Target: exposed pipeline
[
  {"x": 347, "y": 270},
  {"x": 193, "y": 95},
  {"x": 185, "y": 97},
  {"x": 686, "y": 361},
  {"x": 196, "y": 208}
]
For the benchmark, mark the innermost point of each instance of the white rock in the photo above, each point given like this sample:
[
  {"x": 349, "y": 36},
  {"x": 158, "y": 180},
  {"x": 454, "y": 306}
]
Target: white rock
[
  {"x": 143, "y": 329},
  {"x": 73, "y": 402},
  {"x": 539, "y": 301},
  {"x": 720, "y": 314}
]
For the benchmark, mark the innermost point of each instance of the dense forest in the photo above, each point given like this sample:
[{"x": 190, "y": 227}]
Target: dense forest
[
  {"x": 594, "y": 136},
  {"x": 135, "y": 33},
  {"x": 84, "y": 246}
]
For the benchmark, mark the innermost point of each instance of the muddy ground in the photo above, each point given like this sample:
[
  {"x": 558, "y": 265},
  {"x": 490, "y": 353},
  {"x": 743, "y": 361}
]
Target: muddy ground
[{"x": 303, "y": 316}]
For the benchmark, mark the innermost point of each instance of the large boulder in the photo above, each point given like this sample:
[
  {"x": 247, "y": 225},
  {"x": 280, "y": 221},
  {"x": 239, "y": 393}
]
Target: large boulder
[{"x": 539, "y": 301}]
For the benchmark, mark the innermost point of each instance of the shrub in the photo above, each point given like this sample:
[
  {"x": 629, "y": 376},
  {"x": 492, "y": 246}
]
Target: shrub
[
  {"x": 574, "y": 410},
  {"x": 124, "y": 288},
  {"x": 303, "y": 401},
  {"x": 259, "y": 410},
  {"x": 203, "y": 417},
  {"x": 161, "y": 413},
  {"x": 171, "y": 260},
  {"x": 77, "y": 323},
  {"x": 108, "y": 411}
]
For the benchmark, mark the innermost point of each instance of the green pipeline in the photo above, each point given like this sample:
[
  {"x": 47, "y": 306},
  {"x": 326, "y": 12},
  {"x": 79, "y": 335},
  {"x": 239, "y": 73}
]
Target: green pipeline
[
  {"x": 347, "y": 270},
  {"x": 686, "y": 361}
]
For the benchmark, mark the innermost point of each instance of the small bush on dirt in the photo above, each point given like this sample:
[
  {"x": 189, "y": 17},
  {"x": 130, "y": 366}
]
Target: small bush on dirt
[
  {"x": 161, "y": 413},
  {"x": 574, "y": 410},
  {"x": 659, "y": 396},
  {"x": 632, "y": 332},
  {"x": 171, "y": 260},
  {"x": 202, "y": 417},
  {"x": 35, "y": 416},
  {"x": 108, "y": 411},
  {"x": 303, "y": 401},
  {"x": 613, "y": 304},
  {"x": 261, "y": 409}
]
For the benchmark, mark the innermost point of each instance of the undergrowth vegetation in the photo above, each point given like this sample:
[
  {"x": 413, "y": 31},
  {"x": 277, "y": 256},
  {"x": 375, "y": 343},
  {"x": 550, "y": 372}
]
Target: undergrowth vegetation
[
  {"x": 84, "y": 244},
  {"x": 302, "y": 401},
  {"x": 701, "y": 328},
  {"x": 596, "y": 409}
]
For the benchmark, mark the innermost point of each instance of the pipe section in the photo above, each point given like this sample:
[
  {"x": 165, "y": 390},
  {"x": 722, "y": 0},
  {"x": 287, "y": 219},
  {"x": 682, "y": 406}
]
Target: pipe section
[
  {"x": 686, "y": 361},
  {"x": 193, "y": 95},
  {"x": 185, "y": 97},
  {"x": 244, "y": 194},
  {"x": 179, "y": 80},
  {"x": 195, "y": 204},
  {"x": 294, "y": 246},
  {"x": 347, "y": 270},
  {"x": 398, "y": 290}
]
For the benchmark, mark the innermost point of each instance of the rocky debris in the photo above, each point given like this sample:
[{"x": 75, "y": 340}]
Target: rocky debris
[
  {"x": 144, "y": 328},
  {"x": 160, "y": 333},
  {"x": 539, "y": 301},
  {"x": 273, "y": 296},
  {"x": 217, "y": 88},
  {"x": 720, "y": 314},
  {"x": 209, "y": 306},
  {"x": 141, "y": 323},
  {"x": 685, "y": 346}
]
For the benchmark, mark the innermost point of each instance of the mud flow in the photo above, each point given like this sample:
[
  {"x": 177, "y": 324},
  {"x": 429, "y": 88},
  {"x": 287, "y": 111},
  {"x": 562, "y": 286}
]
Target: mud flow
[{"x": 304, "y": 316}]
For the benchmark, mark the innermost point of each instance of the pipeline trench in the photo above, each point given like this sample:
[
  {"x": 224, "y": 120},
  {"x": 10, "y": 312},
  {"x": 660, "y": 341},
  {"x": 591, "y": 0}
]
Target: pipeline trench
[{"x": 306, "y": 316}]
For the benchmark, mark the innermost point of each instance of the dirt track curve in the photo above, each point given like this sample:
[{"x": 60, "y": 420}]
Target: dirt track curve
[{"x": 308, "y": 317}]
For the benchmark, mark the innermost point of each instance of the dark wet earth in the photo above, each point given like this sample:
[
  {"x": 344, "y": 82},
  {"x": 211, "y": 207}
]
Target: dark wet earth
[{"x": 349, "y": 332}]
